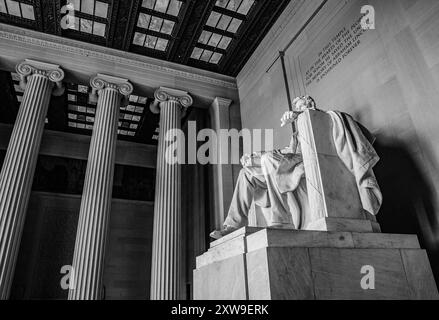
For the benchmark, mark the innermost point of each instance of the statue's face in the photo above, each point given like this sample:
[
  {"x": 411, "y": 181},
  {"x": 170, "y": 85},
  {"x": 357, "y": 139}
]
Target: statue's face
[{"x": 301, "y": 105}]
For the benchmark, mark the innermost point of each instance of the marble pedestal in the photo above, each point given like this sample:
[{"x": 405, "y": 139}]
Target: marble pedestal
[{"x": 264, "y": 264}]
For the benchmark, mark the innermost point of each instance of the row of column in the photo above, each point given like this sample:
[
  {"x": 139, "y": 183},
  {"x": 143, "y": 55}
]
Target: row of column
[
  {"x": 39, "y": 81},
  {"x": 94, "y": 214},
  {"x": 166, "y": 245}
]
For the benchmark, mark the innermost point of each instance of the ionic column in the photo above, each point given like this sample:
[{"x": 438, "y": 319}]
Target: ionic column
[
  {"x": 37, "y": 80},
  {"x": 91, "y": 235},
  {"x": 223, "y": 184},
  {"x": 166, "y": 245}
]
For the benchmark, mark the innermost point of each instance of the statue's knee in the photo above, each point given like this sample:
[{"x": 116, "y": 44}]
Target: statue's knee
[
  {"x": 243, "y": 175},
  {"x": 266, "y": 158},
  {"x": 268, "y": 161}
]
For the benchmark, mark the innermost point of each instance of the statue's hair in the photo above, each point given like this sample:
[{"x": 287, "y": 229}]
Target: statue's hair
[{"x": 309, "y": 101}]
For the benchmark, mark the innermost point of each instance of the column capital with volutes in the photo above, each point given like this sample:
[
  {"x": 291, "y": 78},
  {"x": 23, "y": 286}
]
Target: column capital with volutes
[
  {"x": 164, "y": 94},
  {"x": 52, "y": 72},
  {"x": 102, "y": 81}
]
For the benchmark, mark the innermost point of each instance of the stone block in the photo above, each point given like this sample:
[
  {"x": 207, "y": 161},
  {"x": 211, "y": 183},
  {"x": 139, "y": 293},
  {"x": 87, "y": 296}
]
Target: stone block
[
  {"x": 274, "y": 264},
  {"x": 224, "y": 280}
]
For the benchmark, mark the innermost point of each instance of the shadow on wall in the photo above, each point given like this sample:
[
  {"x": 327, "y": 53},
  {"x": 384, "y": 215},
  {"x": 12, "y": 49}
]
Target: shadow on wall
[
  {"x": 409, "y": 201},
  {"x": 410, "y": 205}
]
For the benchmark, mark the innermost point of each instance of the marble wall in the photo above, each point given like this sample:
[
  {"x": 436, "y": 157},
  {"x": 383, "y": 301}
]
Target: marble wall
[
  {"x": 49, "y": 239},
  {"x": 388, "y": 78}
]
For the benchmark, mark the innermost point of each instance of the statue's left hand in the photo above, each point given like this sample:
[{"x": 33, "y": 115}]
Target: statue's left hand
[
  {"x": 246, "y": 160},
  {"x": 251, "y": 160}
]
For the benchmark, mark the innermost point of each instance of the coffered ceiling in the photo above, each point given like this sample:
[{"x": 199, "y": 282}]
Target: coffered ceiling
[{"x": 215, "y": 35}]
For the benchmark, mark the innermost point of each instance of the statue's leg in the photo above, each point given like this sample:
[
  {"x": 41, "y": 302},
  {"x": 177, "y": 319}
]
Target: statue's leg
[
  {"x": 301, "y": 196},
  {"x": 281, "y": 215},
  {"x": 242, "y": 198}
]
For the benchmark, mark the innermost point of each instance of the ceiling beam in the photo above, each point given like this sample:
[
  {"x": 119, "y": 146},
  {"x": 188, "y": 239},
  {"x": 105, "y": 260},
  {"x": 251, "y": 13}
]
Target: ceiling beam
[
  {"x": 230, "y": 13},
  {"x": 154, "y": 33},
  {"x": 130, "y": 25},
  {"x": 195, "y": 18},
  {"x": 261, "y": 22},
  {"x": 220, "y": 31},
  {"x": 207, "y": 47},
  {"x": 159, "y": 14}
]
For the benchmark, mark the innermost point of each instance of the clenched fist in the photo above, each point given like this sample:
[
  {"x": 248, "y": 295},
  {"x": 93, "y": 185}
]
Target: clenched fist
[{"x": 289, "y": 117}]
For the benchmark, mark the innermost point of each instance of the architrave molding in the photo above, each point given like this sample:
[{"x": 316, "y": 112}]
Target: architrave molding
[{"x": 153, "y": 70}]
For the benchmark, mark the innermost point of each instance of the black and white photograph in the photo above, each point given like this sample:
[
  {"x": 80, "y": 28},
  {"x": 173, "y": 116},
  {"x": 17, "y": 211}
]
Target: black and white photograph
[{"x": 212, "y": 158}]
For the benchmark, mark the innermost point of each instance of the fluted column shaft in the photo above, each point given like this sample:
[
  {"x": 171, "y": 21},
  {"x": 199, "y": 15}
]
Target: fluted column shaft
[
  {"x": 166, "y": 250},
  {"x": 92, "y": 230},
  {"x": 18, "y": 169}
]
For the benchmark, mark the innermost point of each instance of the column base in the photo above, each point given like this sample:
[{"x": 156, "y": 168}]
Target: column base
[{"x": 270, "y": 264}]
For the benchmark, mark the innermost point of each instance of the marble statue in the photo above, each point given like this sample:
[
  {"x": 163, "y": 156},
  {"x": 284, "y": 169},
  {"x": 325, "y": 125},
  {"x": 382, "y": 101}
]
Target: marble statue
[{"x": 276, "y": 179}]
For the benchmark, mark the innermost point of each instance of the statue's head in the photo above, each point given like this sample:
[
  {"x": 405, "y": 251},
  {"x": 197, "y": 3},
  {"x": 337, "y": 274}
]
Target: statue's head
[{"x": 303, "y": 103}]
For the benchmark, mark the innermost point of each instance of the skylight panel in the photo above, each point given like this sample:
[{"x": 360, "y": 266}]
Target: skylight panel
[
  {"x": 156, "y": 23},
  {"x": 81, "y": 112},
  {"x": 206, "y": 55},
  {"x": 224, "y": 22},
  {"x": 91, "y": 7},
  {"x": 174, "y": 8},
  {"x": 151, "y": 41},
  {"x": 224, "y": 43},
  {"x": 234, "y": 25},
  {"x": 222, "y": 3},
  {"x": 171, "y": 7},
  {"x": 213, "y": 19},
  {"x": 205, "y": 37},
  {"x": 161, "y": 5},
  {"x": 91, "y": 17},
  {"x": 216, "y": 57},
  {"x": 13, "y": 8},
  {"x": 239, "y": 6},
  {"x": 196, "y": 54},
  {"x": 245, "y": 6},
  {"x": 144, "y": 20},
  {"x": 139, "y": 39},
  {"x": 234, "y": 5},
  {"x": 161, "y": 44},
  {"x": 167, "y": 26},
  {"x": 17, "y": 9},
  {"x": 27, "y": 11},
  {"x": 101, "y": 9},
  {"x": 214, "y": 40}
]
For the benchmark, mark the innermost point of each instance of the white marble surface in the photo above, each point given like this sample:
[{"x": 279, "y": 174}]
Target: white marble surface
[
  {"x": 283, "y": 264},
  {"x": 331, "y": 187}
]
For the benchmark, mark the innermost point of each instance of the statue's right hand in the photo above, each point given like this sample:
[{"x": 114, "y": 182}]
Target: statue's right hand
[{"x": 288, "y": 117}]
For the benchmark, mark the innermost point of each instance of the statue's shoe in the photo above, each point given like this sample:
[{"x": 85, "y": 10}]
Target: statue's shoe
[{"x": 218, "y": 234}]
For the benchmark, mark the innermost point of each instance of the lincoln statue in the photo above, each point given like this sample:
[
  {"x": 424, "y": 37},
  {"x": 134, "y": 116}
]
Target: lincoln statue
[{"x": 276, "y": 181}]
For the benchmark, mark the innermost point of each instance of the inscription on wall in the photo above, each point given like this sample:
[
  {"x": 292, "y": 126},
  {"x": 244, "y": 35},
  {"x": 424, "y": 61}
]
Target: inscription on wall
[{"x": 333, "y": 53}]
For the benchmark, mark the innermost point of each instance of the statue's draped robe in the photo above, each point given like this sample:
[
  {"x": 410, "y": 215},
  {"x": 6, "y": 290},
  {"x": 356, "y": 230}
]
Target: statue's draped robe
[{"x": 354, "y": 147}]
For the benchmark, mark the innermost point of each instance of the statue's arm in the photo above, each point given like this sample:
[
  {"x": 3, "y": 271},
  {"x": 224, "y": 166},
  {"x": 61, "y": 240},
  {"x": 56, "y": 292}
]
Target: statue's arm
[
  {"x": 254, "y": 159},
  {"x": 294, "y": 141}
]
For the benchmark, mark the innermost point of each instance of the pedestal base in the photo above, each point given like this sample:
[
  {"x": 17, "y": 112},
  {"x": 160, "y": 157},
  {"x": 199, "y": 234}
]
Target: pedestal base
[
  {"x": 263, "y": 264},
  {"x": 342, "y": 224}
]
